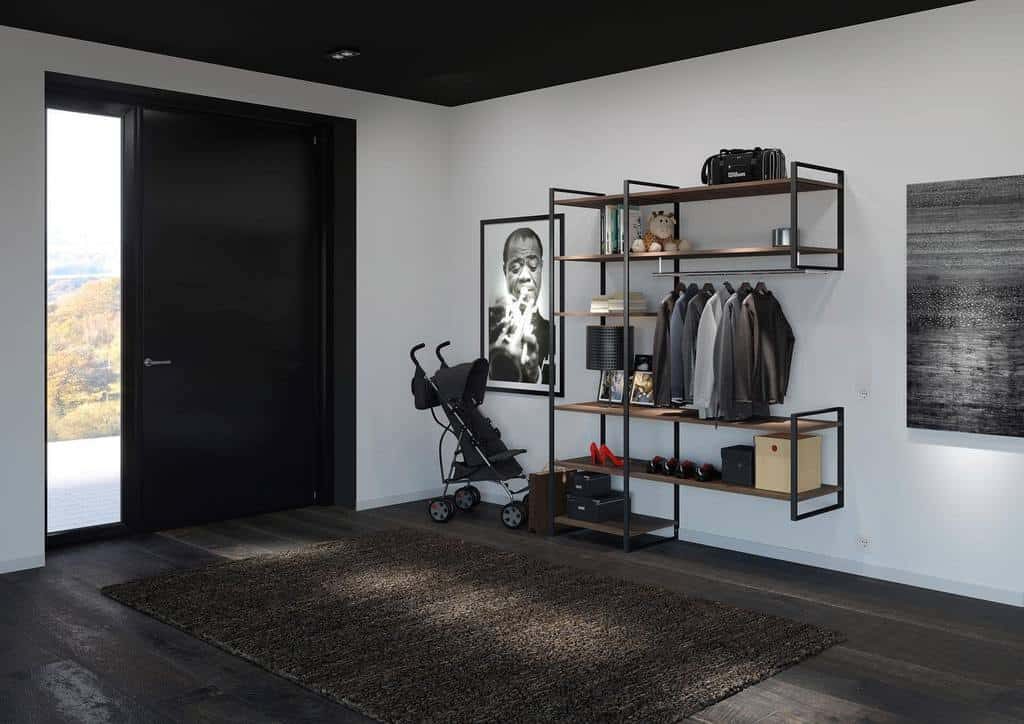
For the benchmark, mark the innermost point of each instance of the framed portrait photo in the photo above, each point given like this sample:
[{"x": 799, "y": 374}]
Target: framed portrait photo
[
  {"x": 642, "y": 390},
  {"x": 610, "y": 387},
  {"x": 515, "y": 312}
]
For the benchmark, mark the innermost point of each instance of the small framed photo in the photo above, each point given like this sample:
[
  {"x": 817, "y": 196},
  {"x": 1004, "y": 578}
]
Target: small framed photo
[
  {"x": 610, "y": 387},
  {"x": 643, "y": 363},
  {"x": 642, "y": 392}
]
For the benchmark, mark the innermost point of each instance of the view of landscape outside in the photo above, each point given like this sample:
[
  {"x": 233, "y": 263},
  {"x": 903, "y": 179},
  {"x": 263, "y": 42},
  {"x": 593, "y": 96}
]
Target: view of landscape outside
[{"x": 83, "y": 320}]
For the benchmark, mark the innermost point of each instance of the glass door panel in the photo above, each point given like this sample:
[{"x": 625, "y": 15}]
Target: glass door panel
[{"x": 83, "y": 320}]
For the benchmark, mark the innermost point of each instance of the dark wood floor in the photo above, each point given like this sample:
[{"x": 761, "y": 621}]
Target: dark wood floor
[{"x": 69, "y": 654}]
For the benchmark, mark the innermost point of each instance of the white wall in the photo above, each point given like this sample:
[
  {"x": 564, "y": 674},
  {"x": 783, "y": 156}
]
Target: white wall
[
  {"x": 402, "y": 159},
  {"x": 930, "y": 96}
]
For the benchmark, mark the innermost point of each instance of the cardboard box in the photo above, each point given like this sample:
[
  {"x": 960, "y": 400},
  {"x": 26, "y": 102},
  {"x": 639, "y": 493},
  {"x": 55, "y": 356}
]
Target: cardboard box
[{"x": 772, "y": 462}]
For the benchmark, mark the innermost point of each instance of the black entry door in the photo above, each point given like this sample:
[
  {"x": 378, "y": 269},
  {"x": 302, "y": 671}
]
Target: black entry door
[{"x": 230, "y": 317}]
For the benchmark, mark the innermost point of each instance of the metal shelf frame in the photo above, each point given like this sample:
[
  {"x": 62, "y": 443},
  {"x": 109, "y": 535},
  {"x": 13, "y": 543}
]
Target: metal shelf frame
[{"x": 795, "y": 267}]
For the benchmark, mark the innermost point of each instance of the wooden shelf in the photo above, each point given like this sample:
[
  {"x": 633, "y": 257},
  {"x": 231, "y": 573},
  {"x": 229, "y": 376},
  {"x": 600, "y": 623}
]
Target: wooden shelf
[
  {"x": 638, "y": 524},
  {"x": 632, "y": 315},
  {"x": 701, "y": 193},
  {"x": 638, "y": 469},
  {"x": 735, "y": 252},
  {"x": 689, "y": 417}
]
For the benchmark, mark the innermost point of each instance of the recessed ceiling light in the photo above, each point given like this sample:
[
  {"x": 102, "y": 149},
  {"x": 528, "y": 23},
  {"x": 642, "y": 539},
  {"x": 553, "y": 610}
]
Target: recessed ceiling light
[{"x": 343, "y": 54}]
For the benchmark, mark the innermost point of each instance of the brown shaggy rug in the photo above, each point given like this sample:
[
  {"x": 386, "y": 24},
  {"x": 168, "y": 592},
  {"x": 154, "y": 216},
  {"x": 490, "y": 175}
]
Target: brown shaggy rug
[{"x": 409, "y": 626}]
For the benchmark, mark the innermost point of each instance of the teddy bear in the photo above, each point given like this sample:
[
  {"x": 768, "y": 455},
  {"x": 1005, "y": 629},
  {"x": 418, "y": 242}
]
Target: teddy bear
[{"x": 660, "y": 235}]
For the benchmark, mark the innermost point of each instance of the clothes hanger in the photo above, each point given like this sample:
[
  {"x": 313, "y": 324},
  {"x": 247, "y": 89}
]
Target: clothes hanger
[
  {"x": 745, "y": 287},
  {"x": 709, "y": 288},
  {"x": 761, "y": 288},
  {"x": 728, "y": 287}
]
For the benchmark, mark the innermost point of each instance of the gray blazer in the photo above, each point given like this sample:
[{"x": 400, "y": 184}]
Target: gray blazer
[
  {"x": 675, "y": 350},
  {"x": 688, "y": 346}
]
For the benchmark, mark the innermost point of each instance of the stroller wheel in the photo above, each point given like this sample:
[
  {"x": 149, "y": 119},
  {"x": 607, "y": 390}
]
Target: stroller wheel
[
  {"x": 513, "y": 515},
  {"x": 476, "y": 494},
  {"x": 464, "y": 498},
  {"x": 526, "y": 502},
  {"x": 440, "y": 510}
]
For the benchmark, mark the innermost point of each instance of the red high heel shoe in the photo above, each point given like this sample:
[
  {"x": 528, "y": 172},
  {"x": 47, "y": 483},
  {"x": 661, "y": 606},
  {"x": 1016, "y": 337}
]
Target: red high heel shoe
[
  {"x": 595, "y": 454},
  {"x": 609, "y": 457}
]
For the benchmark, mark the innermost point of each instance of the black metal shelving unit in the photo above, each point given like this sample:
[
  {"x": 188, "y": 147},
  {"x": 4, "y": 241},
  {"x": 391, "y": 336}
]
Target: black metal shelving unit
[{"x": 795, "y": 424}]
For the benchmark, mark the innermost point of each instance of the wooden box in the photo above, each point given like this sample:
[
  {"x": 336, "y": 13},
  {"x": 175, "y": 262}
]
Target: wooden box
[
  {"x": 772, "y": 462},
  {"x": 537, "y": 515}
]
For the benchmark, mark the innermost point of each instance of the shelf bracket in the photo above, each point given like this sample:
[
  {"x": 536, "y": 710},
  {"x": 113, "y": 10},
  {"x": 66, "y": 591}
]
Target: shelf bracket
[
  {"x": 794, "y": 437},
  {"x": 794, "y": 213}
]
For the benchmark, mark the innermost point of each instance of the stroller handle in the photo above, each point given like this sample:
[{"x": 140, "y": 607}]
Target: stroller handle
[
  {"x": 437, "y": 351},
  {"x": 413, "y": 351}
]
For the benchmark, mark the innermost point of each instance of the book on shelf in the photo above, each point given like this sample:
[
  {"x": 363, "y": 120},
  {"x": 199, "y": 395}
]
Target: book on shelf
[
  {"x": 615, "y": 303},
  {"x": 612, "y": 233}
]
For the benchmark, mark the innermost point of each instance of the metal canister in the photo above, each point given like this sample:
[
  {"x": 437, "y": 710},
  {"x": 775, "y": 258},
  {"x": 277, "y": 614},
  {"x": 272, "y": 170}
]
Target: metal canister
[{"x": 780, "y": 236}]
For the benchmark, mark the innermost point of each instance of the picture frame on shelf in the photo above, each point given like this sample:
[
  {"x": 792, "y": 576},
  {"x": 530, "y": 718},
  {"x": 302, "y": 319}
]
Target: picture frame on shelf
[
  {"x": 610, "y": 387},
  {"x": 642, "y": 389},
  {"x": 515, "y": 255},
  {"x": 643, "y": 362}
]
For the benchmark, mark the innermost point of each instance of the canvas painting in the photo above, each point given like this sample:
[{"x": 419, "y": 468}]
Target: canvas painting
[{"x": 965, "y": 320}]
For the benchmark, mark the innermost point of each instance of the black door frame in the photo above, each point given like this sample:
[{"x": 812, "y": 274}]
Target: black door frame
[{"x": 335, "y": 141}]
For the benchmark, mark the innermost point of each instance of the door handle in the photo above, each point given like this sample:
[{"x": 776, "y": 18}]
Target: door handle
[{"x": 156, "y": 362}]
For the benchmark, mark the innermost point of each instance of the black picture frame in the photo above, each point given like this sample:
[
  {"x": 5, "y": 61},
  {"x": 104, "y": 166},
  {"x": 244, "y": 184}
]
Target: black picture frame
[
  {"x": 646, "y": 399},
  {"x": 540, "y": 223}
]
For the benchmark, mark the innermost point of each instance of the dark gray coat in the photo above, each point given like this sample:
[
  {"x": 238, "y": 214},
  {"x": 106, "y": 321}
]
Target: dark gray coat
[
  {"x": 732, "y": 351},
  {"x": 662, "y": 364},
  {"x": 763, "y": 363}
]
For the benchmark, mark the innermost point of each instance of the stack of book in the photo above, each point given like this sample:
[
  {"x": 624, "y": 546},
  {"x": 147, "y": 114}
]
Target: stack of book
[{"x": 615, "y": 303}]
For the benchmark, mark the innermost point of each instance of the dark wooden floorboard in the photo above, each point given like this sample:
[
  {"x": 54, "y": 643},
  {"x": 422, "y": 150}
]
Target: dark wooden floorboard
[{"x": 67, "y": 653}]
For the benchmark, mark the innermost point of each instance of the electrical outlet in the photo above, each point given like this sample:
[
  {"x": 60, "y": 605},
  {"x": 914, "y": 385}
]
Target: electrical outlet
[{"x": 864, "y": 542}]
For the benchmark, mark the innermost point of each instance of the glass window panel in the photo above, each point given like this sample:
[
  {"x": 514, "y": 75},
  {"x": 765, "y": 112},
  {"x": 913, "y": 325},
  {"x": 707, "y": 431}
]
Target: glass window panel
[{"x": 83, "y": 320}]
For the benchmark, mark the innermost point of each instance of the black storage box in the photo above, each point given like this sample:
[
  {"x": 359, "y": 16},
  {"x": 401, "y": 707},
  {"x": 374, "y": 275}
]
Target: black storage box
[
  {"x": 589, "y": 484},
  {"x": 738, "y": 465},
  {"x": 595, "y": 509}
]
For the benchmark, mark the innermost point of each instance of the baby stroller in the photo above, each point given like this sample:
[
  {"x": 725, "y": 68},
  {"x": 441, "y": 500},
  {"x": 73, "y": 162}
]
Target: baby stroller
[{"x": 479, "y": 455}]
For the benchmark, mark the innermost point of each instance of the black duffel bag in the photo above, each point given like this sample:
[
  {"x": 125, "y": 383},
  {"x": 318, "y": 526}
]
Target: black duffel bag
[{"x": 739, "y": 164}]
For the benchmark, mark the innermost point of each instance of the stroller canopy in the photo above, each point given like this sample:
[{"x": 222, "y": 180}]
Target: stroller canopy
[{"x": 466, "y": 381}]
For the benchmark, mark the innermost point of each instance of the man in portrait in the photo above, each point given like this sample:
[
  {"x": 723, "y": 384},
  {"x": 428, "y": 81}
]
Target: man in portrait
[{"x": 519, "y": 334}]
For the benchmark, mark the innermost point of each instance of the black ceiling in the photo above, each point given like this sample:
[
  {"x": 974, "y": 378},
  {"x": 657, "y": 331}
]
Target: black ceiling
[{"x": 433, "y": 52}]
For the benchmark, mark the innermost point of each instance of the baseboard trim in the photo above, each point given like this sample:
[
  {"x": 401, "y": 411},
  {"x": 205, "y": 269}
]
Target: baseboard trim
[
  {"x": 20, "y": 564},
  {"x": 859, "y": 568},
  {"x": 488, "y": 493},
  {"x": 387, "y": 500}
]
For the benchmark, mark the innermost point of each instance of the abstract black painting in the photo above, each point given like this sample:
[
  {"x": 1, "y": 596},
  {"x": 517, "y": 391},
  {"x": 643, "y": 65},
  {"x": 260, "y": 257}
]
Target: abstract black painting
[{"x": 965, "y": 305}]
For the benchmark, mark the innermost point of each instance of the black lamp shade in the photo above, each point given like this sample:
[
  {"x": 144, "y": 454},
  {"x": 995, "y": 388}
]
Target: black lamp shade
[{"x": 605, "y": 349}]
